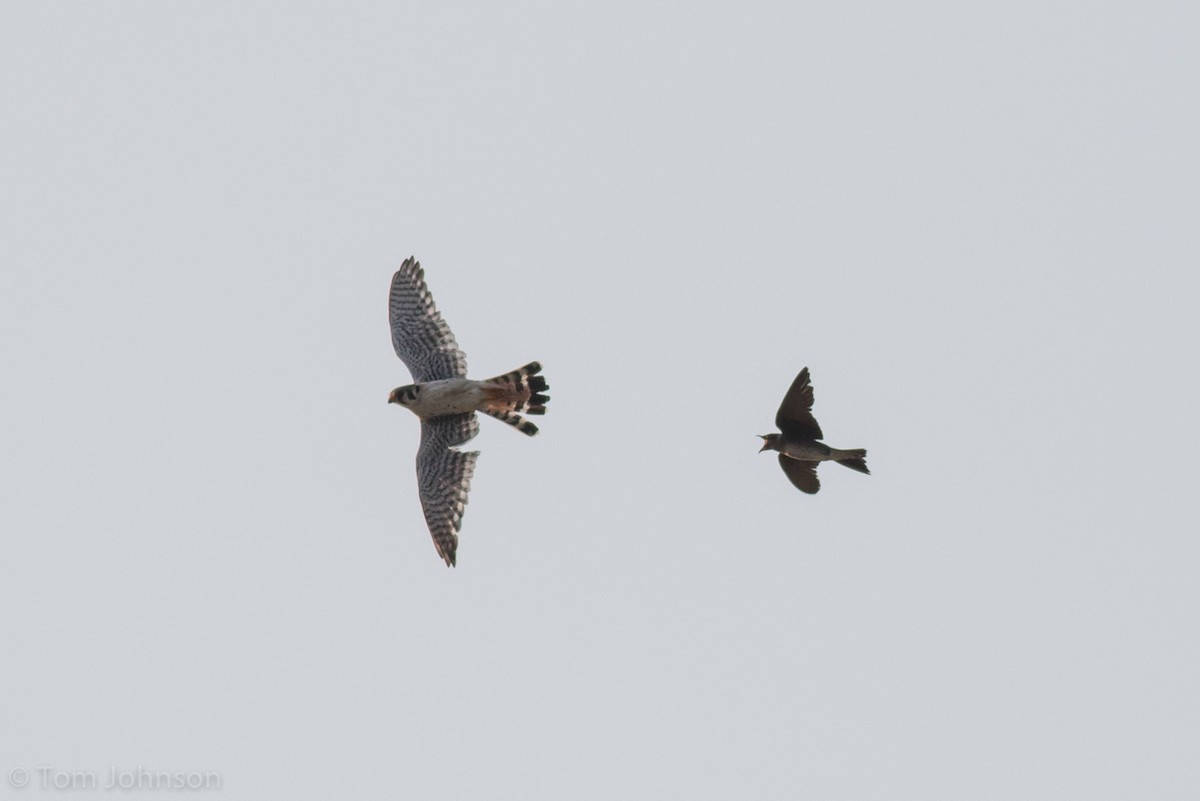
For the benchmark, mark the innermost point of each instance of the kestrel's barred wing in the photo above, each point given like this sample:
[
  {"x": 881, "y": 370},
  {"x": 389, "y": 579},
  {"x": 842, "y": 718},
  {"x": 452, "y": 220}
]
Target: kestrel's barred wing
[
  {"x": 803, "y": 475},
  {"x": 422, "y": 339},
  {"x": 444, "y": 477},
  {"x": 794, "y": 417}
]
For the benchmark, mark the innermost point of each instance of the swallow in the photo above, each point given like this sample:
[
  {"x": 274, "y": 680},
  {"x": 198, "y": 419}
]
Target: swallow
[{"x": 799, "y": 449}]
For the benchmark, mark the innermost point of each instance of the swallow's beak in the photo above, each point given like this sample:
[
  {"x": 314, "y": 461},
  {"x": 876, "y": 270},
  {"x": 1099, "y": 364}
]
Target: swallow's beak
[{"x": 764, "y": 439}]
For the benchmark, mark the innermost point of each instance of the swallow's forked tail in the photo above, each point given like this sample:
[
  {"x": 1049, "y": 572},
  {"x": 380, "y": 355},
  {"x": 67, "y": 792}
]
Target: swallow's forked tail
[
  {"x": 855, "y": 460},
  {"x": 518, "y": 391}
]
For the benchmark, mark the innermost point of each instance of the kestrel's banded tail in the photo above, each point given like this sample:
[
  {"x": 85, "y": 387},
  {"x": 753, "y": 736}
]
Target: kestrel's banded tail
[{"x": 518, "y": 391}]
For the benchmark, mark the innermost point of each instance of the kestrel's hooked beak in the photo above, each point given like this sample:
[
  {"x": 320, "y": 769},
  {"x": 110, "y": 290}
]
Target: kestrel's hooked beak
[{"x": 393, "y": 397}]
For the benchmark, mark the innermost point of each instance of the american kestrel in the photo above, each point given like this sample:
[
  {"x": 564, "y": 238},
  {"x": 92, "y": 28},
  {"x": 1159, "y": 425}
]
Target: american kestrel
[
  {"x": 799, "y": 451},
  {"x": 446, "y": 401}
]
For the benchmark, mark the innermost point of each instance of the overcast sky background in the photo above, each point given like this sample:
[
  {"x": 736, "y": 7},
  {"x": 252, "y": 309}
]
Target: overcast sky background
[{"x": 975, "y": 223}]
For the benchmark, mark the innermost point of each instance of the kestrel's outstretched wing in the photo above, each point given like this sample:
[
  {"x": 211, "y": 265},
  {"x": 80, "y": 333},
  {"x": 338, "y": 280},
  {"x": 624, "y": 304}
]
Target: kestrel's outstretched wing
[
  {"x": 794, "y": 417},
  {"x": 422, "y": 339},
  {"x": 444, "y": 477}
]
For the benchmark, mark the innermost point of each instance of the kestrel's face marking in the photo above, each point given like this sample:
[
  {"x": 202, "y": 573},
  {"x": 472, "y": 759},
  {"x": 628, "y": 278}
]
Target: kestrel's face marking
[{"x": 404, "y": 395}]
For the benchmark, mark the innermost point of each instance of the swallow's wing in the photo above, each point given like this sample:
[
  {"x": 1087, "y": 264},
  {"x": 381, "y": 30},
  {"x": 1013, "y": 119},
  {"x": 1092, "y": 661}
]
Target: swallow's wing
[
  {"x": 794, "y": 417},
  {"x": 803, "y": 475},
  {"x": 444, "y": 477},
  {"x": 422, "y": 339}
]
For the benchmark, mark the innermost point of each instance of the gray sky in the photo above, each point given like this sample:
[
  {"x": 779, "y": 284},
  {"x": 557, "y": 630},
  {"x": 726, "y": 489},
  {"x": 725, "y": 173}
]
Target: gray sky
[{"x": 975, "y": 223}]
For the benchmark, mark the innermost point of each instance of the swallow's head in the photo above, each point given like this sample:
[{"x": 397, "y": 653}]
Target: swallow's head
[
  {"x": 770, "y": 442},
  {"x": 404, "y": 395}
]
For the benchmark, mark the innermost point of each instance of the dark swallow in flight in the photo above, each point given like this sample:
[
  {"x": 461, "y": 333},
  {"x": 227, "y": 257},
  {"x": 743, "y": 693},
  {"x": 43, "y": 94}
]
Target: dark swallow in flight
[{"x": 799, "y": 450}]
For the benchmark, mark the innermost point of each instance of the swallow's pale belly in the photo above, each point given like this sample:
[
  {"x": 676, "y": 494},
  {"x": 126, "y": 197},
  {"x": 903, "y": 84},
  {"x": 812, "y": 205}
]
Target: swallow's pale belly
[{"x": 809, "y": 451}]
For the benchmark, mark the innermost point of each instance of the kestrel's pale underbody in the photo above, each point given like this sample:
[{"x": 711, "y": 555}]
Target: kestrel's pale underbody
[
  {"x": 446, "y": 401},
  {"x": 799, "y": 450}
]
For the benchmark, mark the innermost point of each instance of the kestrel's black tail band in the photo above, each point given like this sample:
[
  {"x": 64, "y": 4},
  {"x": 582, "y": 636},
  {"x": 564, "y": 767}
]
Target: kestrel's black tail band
[
  {"x": 515, "y": 420},
  {"x": 522, "y": 391}
]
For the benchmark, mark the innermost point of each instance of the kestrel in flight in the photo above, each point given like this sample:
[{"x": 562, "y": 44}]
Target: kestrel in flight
[
  {"x": 799, "y": 450},
  {"x": 446, "y": 401}
]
